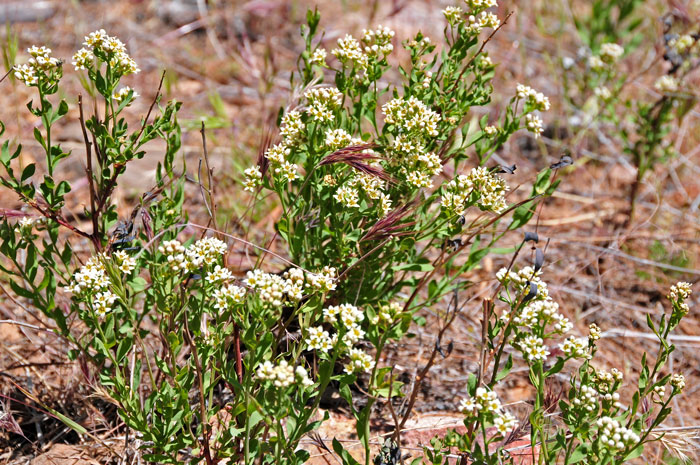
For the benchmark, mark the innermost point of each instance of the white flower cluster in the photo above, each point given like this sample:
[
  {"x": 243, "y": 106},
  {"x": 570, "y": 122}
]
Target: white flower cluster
[
  {"x": 347, "y": 196},
  {"x": 292, "y": 127},
  {"x": 322, "y": 102},
  {"x": 533, "y": 349},
  {"x": 91, "y": 283},
  {"x": 277, "y": 290},
  {"x": 377, "y": 41},
  {"x": 416, "y": 164},
  {"x": 576, "y": 347},
  {"x": 339, "y": 138},
  {"x": 659, "y": 392},
  {"x": 358, "y": 362},
  {"x": 486, "y": 403},
  {"x": 108, "y": 48},
  {"x": 253, "y": 178},
  {"x": 476, "y": 23},
  {"x": 683, "y": 44},
  {"x": 609, "y": 54},
  {"x": 680, "y": 291},
  {"x": 90, "y": 278},
  {"x": 283, "y": 374},
  {"x": 521, "y": 279},
  {"x": 219, "y": 274},
  {"x": 594, "y": 332},
  {"x": 26, "y": 223},
  {"x": 122, "y": 93},
  {"x": 278, "y": 155},
  {"x": 387, "y": 313},
  {"x": 323, "y": 280},
  {"x": 666, "y": 84},
  {"x": 292, "y": 130},
  {"x": 533, "y": 100},
  {"x": 271, "y": 288},
  {"x": 454, "y": 15},
  {"x": 346, "y": 319},
  {"x": 678, "y": 382},
  {"x": 318, "y": 338},
  {"x": 532, "y": 97},
  {"x": 678, "y": 294},
  {"x": 480, "y": 187},
  {"x": 125, "y": 263},
  {"x": 606, "y": 382},
  {"x": 615, "y": 436},
  {"x": 420, "y": 42},
  {"x": 479, "y": 5},
  {"x": 227, "y": 296},
  {"x": 40, "y": 64},
  {"x": 533, "y": 123},
  {"x": 484, "y": 61},
  {"x": 349, "y": 50},
  {"x": 102, "y": 302},
  {"x": 319, "y": 57},
  {"x": 540, "y": 313},
  {"x": 205, "y": 251},
  {"x": 490, "y": 131},
  {"x": 411, "y": 116},
  {"x": 370, "y": 185},
  {"x": 587, "y": 399},
  {"x": 376, "y": 44},
  {"x": 603, "y": 93},
  {"x": 427, "y": 79}
]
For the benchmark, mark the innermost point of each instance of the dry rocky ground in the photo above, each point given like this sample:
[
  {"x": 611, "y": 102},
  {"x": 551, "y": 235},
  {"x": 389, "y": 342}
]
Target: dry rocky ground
[{"x": 230, "y": 65}]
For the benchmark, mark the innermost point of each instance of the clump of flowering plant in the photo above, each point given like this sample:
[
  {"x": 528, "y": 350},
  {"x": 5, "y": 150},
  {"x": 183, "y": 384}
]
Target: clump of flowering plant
[{"x": 595, "y": 425}]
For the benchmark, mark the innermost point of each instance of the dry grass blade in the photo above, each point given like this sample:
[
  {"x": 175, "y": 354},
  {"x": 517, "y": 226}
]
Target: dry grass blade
[
  {"x": 390, "y": 226},
  {"x": 265, "y": 143},
  {"x": 355, "y": 156}
]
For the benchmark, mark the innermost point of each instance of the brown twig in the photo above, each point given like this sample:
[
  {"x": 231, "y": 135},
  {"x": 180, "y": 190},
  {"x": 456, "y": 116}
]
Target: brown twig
[
  {"x": 478, "y": 52},
  {"x": 202, "y": 401},
  {"x": 88, "y": 169},
  {"x": 452, "y": 314},
  {"x": 210, "y": 190}
]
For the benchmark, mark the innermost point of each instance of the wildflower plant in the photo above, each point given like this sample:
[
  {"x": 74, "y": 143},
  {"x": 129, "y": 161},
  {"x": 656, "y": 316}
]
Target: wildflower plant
[
  {"x": 597, "y": 86},
  {"x": 595, "y": 424},
  {"x": 359, "y": 172}
]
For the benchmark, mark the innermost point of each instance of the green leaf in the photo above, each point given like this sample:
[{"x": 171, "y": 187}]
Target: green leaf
[
  {"x": 506, "y": 369},
  {"x": 580, "y": 453},
  {"x": 556, "y": 368},
  {"x": 634, "y": 453},
  {"x": 344, "y": 455},
  {"x": 28, "y": 172}
]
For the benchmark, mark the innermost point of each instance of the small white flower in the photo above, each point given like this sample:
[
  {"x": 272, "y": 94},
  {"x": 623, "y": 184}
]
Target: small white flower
[
  {"x": 253, "y": 178},
  {"x": 611, "y": 52},
  {"x": 678, "y": 382},
  {"x": 122, "y": 93},
  {"x": 347, "y": 196},
  {"x": 125, "y": 262},
  {"x": 218, "y": 275},
  {"x": 319, "y": 57},
  {"x": 533, "y": 123},
  {"x": 666, "y": 83}
]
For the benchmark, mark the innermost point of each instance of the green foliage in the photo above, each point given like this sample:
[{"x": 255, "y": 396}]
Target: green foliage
[{"x": 611, "y": 21}]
